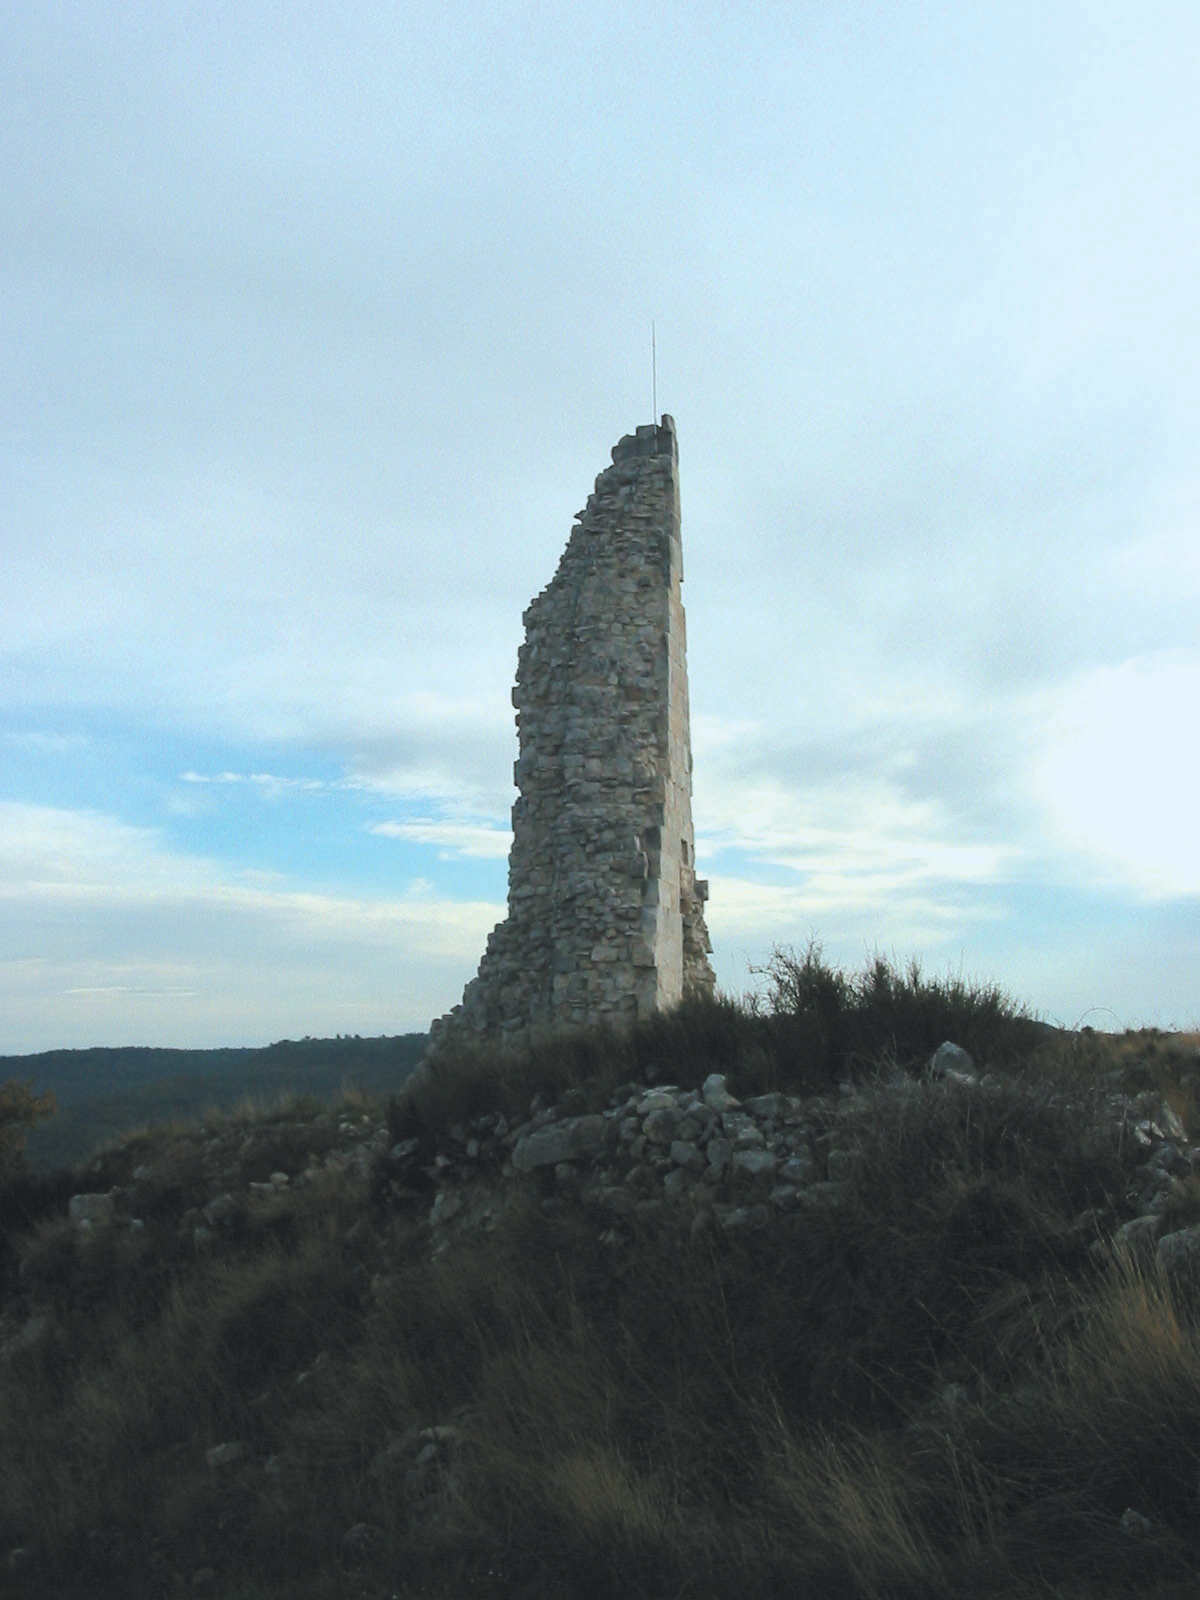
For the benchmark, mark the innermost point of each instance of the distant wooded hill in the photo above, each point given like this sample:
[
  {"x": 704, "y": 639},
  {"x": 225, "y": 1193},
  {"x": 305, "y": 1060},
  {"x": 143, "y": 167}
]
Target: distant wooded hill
[{"x": 103, "y": 1092}]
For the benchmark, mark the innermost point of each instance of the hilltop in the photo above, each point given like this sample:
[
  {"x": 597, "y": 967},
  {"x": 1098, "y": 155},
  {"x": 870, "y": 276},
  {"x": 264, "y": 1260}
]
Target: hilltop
[
  {"x": 103, "y": 1092},
  {"x": 778, "y": 1298}
]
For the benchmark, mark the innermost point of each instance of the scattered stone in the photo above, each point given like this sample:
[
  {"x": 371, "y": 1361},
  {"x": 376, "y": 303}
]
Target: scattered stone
[
  {"x": 85, "y": 1211},
  {"x": 1137, "y": 1237},
  {"x": 952, "y": 1064},
  {"x": 1179, "y": 1253},
  {"x": 662, "y": 1125},
  {"x": 797, "y": 1169},
  {"x": 224, "y": 1455},
  {"x": 686, "y": 1153},
  {"x": 662, "y": 1099},
  {"x": 222, "y": 1212},
  {"x": 675, "y": 1182},
  {"x": 578, "y": 1139},
  {"x": 448, "y": 1203},
  {"x": 359, "y": 1542},
  {"x": 720, "y": 1153},
  {"x": 566, "y": 1177},
  {"x": 1172, "y": 1123},
  {"x": 757, "y": 1165},
  {"x": 716, "y": 1096}
]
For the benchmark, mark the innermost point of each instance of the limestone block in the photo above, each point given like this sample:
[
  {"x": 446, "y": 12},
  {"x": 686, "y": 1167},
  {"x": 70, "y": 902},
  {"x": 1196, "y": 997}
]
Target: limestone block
[
  {"x": 1179, "y": 1253},
  {"x": 757, "y": 1165},
  {"x": 952, "y": 1063},
  {"x": 85, "y": 1211},
  {"x": 719, "y": 1154},
  {"x": 576, "y": 1139},
  {"x": 685, "y": 1153},
  {"x": 716, "y": 1096}
]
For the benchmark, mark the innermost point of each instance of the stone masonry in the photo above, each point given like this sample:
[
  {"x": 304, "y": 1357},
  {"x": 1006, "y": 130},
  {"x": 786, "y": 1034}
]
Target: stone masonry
[{"x": 605, "y": 914}]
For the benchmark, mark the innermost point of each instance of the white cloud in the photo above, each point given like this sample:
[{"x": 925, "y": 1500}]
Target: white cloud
[
  {"x": 859, "y": 826},
  {"x": 858, "y": 839},
  {"x": 1118, "y": 773},
  {"x": 1161, "y": 559},
  {"x": 51, "y": 850},
  {"x": 740, "y": 911},
  {"x": 265, "y": 780},
  {"x": 106, "y": 936},
  {"x": 452, "y": 838}
]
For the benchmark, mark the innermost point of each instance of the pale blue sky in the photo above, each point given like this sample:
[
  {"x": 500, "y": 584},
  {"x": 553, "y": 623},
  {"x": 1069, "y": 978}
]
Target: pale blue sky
[{"x": 317, "y": 323}]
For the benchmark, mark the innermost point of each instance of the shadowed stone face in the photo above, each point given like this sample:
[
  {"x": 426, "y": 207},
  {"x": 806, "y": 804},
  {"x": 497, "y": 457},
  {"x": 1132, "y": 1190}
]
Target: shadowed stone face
[{"x": 605, "y": 914}]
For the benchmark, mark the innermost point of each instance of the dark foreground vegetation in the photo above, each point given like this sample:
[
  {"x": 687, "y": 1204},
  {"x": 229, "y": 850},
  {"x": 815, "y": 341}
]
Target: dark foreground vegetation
[{"x": 942, "y": 1378}]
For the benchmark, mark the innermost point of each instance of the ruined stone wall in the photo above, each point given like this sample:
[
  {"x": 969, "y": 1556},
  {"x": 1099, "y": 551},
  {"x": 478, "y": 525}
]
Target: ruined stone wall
[{"x": 605, "y": 914}]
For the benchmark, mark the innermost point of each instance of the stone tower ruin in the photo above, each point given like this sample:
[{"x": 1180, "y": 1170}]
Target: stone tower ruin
[{"x": 605, "y": 914}]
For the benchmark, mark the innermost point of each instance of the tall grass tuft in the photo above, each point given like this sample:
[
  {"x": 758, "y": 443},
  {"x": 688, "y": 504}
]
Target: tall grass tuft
[{"x": 828, "y": 1022}]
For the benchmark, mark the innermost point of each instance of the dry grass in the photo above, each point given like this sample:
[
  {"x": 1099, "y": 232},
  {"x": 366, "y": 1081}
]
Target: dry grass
[{"x": 929, "y": 1390}]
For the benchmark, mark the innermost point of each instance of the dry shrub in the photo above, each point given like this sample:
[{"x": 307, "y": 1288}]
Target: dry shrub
[
  {"x": 20, "y": 1108},
  {"x": 828, "y": 1023}
]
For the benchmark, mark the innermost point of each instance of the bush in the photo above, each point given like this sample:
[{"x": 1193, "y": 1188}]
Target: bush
[
  {"x": 20, "y": 1108},
  {"x": 827, "y": 1023},
  {"x": 23, "y": 1199}
]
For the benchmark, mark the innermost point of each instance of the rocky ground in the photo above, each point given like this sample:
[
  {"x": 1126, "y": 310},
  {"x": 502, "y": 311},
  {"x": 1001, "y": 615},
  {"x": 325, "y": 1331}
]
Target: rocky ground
[{"x": 658, "y": 1158}]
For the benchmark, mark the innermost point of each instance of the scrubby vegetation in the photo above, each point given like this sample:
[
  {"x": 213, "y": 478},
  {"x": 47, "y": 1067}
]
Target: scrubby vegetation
[
  {"x": 20, "y": 1108},
  {"x": 103, "y": 1092},
  {"x": 942, "y": 1379}
]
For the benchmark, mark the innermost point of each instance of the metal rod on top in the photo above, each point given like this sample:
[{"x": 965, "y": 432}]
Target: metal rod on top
[{"x": 653, "y": 375}]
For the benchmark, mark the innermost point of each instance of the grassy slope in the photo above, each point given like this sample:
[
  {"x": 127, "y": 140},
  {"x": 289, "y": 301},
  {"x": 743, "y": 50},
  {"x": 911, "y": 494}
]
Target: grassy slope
[{"x": 932, "y": 1389}]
